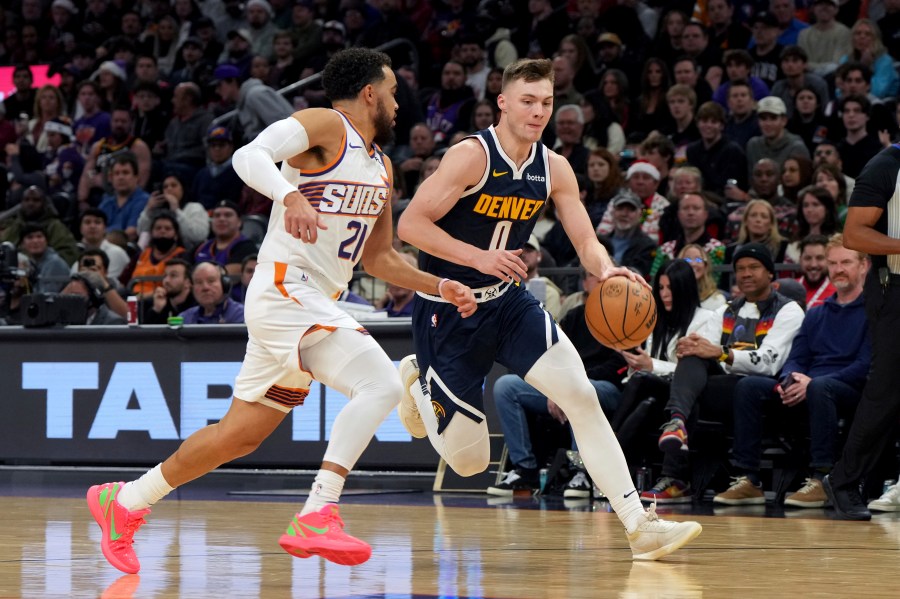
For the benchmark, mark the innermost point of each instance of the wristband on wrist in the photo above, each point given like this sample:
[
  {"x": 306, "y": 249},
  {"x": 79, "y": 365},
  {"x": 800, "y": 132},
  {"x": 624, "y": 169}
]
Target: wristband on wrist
[
  {"x": 725, "y": 354},
  {"x": 440, "y": 285}
]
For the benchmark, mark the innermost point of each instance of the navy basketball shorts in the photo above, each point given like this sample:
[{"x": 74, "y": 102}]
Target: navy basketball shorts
[{"x": 455, "y": 354}]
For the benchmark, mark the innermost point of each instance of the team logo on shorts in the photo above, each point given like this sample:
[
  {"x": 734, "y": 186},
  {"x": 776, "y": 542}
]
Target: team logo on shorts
[
  {"x": 438, "y": 409},
  {"x": 304, "y": 277},
  {"x": 434, "y": 321}
]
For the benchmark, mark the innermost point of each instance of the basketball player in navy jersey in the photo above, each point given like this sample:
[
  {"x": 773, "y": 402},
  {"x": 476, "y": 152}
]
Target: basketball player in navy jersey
[{"x": 471, "y": 219}]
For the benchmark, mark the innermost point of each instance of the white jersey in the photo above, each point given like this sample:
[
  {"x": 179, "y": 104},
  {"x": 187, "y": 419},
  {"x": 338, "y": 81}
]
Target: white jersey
[{"x": 350, "y": 193}]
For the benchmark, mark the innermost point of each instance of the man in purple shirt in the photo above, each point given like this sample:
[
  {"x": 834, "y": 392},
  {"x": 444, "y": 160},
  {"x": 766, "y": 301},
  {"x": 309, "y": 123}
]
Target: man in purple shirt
[{"x": 211, "y": 292}]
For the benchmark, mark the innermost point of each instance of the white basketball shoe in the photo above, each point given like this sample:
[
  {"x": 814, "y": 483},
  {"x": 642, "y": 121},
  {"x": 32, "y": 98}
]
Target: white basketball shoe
[
  {"x": 408, "y": 410},
  {"x": 655, "y": 538}
]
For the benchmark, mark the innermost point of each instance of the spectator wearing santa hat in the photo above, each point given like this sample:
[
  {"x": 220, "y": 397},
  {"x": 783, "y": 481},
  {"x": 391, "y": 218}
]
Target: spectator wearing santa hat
[{"x": 642, "y": 179}]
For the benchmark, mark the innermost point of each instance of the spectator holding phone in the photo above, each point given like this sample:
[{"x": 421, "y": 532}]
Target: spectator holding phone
[
  {"x": 170, "y": 196},
  {"x": 107, "y": 290},
  {"x": 825, "y": 372}
]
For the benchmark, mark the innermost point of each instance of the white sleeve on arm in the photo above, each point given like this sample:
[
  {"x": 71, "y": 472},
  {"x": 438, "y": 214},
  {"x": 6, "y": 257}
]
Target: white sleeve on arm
[
  {"x": 768, "y": 359},
  {"x": 255, "y": 162}
]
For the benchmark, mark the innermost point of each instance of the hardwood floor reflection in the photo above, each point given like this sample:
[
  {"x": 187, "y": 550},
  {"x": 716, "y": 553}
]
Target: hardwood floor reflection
[{"x": 50, "y": 548}]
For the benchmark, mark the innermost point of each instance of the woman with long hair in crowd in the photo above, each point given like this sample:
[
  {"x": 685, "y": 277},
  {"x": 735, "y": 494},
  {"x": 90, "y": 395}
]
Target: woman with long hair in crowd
[
  {"x": 758, "y": 225},
  {"x": 796, "y": 173},
  {"x": 678, "y": 313},
  {"x": 579, "y": 54},
  {"x": 668, "y": 37},
  {"x": 832, "y": 180},
  {"x": 493, "y": 84},
  {"x": 652, "y": 112},
  {"x": 604, "y": 173},
  {"x": 49, "y": 104},
  {"x": 816, "y": 215},
  {"x": 614, "y": 89},
  {"x": 711, "y": 297}
]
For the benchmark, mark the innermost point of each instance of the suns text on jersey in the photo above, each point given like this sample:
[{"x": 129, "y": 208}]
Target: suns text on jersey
[
  {"x": 342, "y": 198},
  {"x": 507, "y": 207}
]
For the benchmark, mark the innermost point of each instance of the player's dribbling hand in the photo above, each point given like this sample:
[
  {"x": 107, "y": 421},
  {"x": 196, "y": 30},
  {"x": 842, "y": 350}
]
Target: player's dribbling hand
[
  {"x": 506, "y": 265},
  {"x": 460, "y": 296},
  {"x": 300, "y": 219},
  {"x": 621, "y": 271}
]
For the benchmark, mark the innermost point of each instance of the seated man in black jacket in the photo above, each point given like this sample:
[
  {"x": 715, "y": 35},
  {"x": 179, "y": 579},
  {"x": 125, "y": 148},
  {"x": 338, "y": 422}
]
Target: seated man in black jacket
[{"x": 172, "y": 297}]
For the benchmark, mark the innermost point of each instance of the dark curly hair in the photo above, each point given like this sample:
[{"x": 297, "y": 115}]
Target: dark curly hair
[{"x": 350, "y": 70}]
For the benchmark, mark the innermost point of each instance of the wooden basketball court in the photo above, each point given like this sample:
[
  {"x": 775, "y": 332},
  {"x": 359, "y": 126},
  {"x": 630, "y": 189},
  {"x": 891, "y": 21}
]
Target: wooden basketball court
[{"x": 444, "y": 545}]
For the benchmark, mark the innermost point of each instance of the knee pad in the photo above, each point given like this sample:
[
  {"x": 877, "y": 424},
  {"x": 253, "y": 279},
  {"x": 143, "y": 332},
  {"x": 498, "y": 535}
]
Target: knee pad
[{"x": 468, "y": 445}]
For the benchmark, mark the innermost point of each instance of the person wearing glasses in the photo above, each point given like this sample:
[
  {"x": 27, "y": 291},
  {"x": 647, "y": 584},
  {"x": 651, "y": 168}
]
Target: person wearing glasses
[
  {"x": 692, "y": 213},
  {"x": 711, "y": 297}
]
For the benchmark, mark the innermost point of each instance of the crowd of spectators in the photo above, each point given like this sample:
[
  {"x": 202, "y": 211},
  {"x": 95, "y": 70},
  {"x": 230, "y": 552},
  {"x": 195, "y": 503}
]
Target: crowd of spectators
[{"x": 699, "y": 130}]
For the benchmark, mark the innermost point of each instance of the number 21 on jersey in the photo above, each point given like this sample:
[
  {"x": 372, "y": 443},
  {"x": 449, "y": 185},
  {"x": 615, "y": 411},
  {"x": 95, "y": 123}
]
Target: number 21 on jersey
[{"x": 350, "y": 247}]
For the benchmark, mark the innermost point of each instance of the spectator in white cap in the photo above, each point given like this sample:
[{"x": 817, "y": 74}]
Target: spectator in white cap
[
  {"x": 262, "y": 29},
  {"x": 642, "y": 180},
  {"x": 775, "y": 142}
]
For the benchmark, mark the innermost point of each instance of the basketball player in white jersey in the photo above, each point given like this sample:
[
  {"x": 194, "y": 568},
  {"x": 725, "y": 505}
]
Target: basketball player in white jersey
[
  {"x": 332, "y": 209},
  {"x": 470, "y": 220}
]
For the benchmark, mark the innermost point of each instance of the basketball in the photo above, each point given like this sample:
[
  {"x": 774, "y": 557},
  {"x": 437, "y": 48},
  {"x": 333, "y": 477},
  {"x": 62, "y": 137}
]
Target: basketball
[{"x": 620, "y": 313}]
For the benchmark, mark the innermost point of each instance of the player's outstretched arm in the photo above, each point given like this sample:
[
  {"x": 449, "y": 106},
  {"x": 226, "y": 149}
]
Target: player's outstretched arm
[
  {"x": 460, "y": 169},
  {"x": 575, "y": 220},
  {"x": 381, "y": 260},
  {"x": 288, "y": 139}
]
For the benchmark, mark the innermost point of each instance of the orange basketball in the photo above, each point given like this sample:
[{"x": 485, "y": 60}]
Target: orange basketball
[{"x": 620, "y": 313}]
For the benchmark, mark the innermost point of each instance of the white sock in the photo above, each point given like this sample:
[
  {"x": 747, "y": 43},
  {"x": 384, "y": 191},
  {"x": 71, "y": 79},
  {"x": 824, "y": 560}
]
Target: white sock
[
  {"x": 559, "y": 375},
  {"x": 630, "y": 510},
  {"x": 325, "y": 489},
  {"x": 145, "y": 491}
]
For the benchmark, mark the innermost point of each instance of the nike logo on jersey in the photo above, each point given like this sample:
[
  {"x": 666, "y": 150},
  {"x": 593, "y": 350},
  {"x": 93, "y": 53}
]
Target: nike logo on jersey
[
  {"x": 496, "y": 174},
  {"x": 340, "y": 198},
  {"x": 354, "y": 147},
  {"x": 507, "y": 207}
]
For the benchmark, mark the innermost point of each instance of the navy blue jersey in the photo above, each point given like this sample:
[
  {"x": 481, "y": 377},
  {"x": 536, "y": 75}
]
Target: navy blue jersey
[{"x": 499, "y": 212}]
